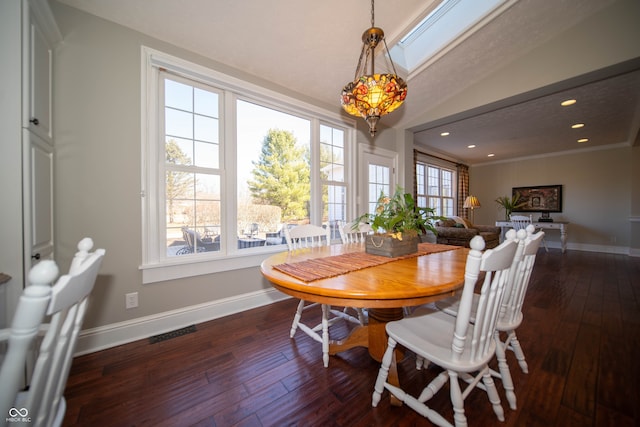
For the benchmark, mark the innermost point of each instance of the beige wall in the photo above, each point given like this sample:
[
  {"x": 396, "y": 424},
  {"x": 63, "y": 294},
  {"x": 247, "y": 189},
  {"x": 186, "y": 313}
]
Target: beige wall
[{"x": 597, "y": 193}]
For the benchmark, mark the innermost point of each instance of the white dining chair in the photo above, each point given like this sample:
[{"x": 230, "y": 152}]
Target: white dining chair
[
  {"x": 462, "y": 348},
  {"x": 520, "y": 222},
  {"x": 510, "y": 316},
  {"x": 306, "y": 236},
  {"x": 64, "y": 305},
  {"x": 354, "y": 232}
]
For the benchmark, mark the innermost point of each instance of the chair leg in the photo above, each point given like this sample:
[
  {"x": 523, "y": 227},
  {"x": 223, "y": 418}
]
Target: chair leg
[
  {"x": 505, "y": 374},
  {"x": 419, "y": 407},
  {"x": 383, "y": 373},
  {"x": 434, "y": 386},
  {"x": 362, "y": 316},
  {"x": 296, "y": 318},
  {"x": 457, "y": 400},
  {"x": 514, "y": 345},
  {"x": 419, "y": 362},
  {"x": 344, "y": 314},
  {"x": 325, "y": 334},
  {"x": 492, "y": 393}
]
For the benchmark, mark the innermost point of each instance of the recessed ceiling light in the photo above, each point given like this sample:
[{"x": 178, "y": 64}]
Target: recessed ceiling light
[
  {"x": 583, "y": 140},
  {"x": 568, "y": 102},
  {"x": 490, "y": 155},
  {"x": 444, "y": 134},
  {"x": 577, "y": 126},
  {"x": 471, "y": 146}
]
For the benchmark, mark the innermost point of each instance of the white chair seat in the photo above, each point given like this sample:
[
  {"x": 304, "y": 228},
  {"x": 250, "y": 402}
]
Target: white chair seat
[{"x": 434, "y": 333}]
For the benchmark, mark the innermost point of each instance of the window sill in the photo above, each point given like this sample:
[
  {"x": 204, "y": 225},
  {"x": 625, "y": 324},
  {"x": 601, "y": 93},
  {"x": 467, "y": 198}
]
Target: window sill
[{"x": 152, "y": 273}]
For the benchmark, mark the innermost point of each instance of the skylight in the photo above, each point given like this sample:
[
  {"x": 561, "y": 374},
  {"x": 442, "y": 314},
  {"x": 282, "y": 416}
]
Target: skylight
[{"x": 450, "y": 21}]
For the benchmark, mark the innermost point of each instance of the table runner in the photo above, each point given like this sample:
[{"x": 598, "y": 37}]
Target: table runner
[{"x": 323, "y": 268}]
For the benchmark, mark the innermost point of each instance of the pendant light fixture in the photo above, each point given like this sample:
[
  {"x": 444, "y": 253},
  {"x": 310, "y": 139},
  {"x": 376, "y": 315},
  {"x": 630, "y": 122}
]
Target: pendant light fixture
[{"x": 373, "y": 95}]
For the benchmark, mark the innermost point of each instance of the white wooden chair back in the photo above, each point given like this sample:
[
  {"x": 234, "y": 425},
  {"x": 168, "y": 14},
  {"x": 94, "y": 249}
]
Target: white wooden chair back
[
  {"x": 511, "y": 312},
  {"x": 520, "y": 222},
  {"x": 496, "y": 264},
  {"x": 65, "y": 304},
  {"x": 307, "y": 236},
  {"x": 354, "y": 232}
]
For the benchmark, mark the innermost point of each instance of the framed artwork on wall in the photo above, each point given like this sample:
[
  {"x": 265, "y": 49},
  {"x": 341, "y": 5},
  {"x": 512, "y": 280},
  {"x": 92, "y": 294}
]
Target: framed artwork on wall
[{"x": 542, "y": 198}]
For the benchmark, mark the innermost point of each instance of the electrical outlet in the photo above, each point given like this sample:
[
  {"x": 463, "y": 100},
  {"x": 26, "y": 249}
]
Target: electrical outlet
[{"x": 131, "y": 300}]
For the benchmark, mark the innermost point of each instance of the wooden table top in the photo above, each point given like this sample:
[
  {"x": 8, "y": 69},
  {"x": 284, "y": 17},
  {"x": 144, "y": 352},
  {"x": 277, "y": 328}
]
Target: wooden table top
[{"x": 399, "y": 283}]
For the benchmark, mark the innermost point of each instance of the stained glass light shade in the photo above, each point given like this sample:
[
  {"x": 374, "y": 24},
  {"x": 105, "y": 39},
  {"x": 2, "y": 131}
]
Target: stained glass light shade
[{"x": 372, "y": 96}]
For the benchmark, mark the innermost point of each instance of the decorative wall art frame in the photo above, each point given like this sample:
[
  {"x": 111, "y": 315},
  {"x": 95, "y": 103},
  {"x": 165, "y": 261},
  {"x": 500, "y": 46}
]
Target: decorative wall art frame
[{"x": 543, "y": 198}]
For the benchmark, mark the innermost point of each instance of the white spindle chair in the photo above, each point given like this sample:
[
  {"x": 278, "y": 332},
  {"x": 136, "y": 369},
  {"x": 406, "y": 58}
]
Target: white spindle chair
[
  {"x": 307, "y": 236},
  {"x": 354, "y": 232},
  {"x": 511, "y": 310},
  {"x": 460, "y": 347},
  {"x": 520, "y": 222},
  {"x": 65, "y": 305}
]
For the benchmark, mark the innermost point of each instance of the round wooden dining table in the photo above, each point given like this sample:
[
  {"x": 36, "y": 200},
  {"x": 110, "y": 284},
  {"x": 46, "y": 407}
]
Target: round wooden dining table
[{"x": 383, "y": 289}]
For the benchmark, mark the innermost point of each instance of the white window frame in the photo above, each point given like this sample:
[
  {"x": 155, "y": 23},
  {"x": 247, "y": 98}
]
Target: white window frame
[
  {"x": 156, "y": 265},
  {"x": 454, "y": 183},
  {"x": 376, "y": 156}
]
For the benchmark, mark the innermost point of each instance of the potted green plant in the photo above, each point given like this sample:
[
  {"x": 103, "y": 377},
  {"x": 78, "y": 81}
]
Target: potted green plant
[
  {"x": 397, "y": 223},
  {"x": 510, "y": 203}
]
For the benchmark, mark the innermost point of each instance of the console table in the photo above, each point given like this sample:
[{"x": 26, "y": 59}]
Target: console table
[{"x": 555, "y": 225}]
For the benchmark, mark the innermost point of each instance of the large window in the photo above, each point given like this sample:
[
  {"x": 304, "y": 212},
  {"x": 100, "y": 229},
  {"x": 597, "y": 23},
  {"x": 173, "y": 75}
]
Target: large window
[
  {"x": 435, "y": 188},
  {"x": 227, "y": 166},
  {"x": 332, "y": 177},
  {"x": 191, "y": 119},
  {"x": 273, "y": 173}
]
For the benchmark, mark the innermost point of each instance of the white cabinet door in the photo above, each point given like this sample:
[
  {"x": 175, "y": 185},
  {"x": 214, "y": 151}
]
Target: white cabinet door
[
  {"x": 37, "y": 75},
  {"x": 37, "y": 199}
]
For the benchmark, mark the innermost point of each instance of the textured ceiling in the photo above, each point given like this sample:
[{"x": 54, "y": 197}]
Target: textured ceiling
[
  {"x": 608, "y": 108},
  {"x": 312, "y": 48}
]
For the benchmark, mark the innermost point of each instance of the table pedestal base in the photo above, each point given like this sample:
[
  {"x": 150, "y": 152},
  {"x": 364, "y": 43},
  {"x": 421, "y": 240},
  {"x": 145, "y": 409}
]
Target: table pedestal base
[{"x": 373, "y": 336}]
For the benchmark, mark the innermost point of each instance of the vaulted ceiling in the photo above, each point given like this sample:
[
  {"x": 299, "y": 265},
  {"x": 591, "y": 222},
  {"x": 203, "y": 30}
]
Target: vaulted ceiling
[{"x": 312, "y": 48}]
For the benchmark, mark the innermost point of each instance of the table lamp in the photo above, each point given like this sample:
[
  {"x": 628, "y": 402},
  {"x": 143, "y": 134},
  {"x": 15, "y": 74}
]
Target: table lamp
[{"x": 471, "y": 202}]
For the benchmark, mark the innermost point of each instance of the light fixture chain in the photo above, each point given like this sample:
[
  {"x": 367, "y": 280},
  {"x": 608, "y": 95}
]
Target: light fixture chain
[
  {"x": 362, "y": 54},
  {"x": 389, "y": 57},
  {"x": 373, "y": 95},
  {"x": 372, "y": 14}
]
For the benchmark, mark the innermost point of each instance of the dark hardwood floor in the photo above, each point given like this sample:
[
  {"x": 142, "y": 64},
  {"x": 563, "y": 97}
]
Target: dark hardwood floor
[{"x": 581, "y": 336}]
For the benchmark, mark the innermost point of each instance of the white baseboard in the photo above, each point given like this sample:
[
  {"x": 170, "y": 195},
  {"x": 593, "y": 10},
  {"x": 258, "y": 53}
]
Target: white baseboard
[
  {"x": 103, "y": 337},
  {"x": 607, "y": 249}
]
